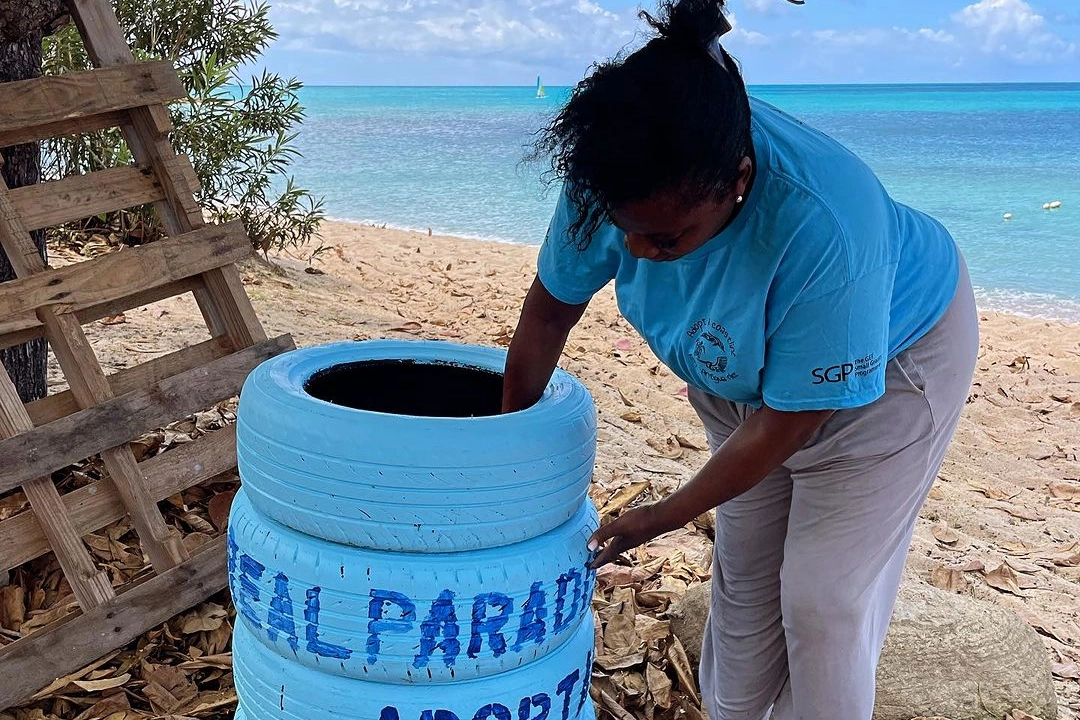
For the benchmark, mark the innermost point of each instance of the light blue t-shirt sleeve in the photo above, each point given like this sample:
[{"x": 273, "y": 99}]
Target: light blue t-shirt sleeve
[
  {"x": 570, "y": 274},
  {"x": 830, "y": 351}
]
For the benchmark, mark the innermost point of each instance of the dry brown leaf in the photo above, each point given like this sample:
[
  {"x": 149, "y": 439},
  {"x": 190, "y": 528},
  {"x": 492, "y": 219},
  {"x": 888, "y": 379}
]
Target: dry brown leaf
[
  {"x": 1020, "y": 715},
  {"x": 623, "y": 497},
  {"x": 1022, "y": 567},
  {"x": 1023, "y": 513},
  {"x": 619, "y": 661},
  {"x": 218, "y": 508},
  {"x": 167, "y": 687},
  {"x": 632, "y": 684},
  {"x": 936, "y": 493},
  {"x": 118, "y": 319},
  {"x": 620, "y": 637},
  {"x": 969, "y": 566},
  {"x": 948, "y": 579},
  {"x": 110, "y": 705},
  {"x": 668, "y": 447},
  {"x": 659, "y": 685},
  {"x": 1065, "y": 671},
  {"x": 43, "y": 618},
  {"x": 1020, "y": 364},
  {"x": 688, "y": 444},
  {"x": 625, "y": 400},
  {"x": 944, "y": 534},
  {"x": 104, "y": 684},
  {"x": 1065, "y": 490},
  {"x": 412, "y": 327},
  {"x": 649, "y": 629},
  {"x": 197, "y": 523},
  {"x": 208, "y": 616},
  {"x": 1004, "y": 579},
  {"x": 614, "y": 706},
  {"x": 694, "y": 547},
  {"x": 631, "y": 416},
  {"x": 12, "y": 607},
  {"x": 221, "y": 662},
  {"x": 681, "y": 665},
  {"x": 1069, "y": 557},
  {"x": 614, "y": 575}
]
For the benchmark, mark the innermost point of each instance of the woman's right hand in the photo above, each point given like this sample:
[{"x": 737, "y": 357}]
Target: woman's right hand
[{"x": 538, "y": 342}]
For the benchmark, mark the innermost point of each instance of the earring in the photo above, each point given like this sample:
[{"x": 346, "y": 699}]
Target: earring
[{"x": 739, "y": 199}]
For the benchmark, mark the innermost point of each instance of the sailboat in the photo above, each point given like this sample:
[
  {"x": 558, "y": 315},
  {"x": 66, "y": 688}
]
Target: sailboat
[{"x": 540, "y": 92}]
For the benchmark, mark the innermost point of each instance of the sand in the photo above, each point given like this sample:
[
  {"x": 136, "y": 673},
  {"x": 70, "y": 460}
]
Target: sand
[{"x": 1008, "y": 494}]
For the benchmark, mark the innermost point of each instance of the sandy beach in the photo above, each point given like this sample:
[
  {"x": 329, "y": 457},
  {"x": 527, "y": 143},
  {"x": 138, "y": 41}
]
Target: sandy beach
[{"x": 1002, "y": 523}]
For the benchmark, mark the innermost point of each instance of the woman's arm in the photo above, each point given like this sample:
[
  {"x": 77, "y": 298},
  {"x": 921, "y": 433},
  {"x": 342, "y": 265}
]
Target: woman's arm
[
  {"x": 757, "y": 447},
  {"x": 538, "y": 341}
]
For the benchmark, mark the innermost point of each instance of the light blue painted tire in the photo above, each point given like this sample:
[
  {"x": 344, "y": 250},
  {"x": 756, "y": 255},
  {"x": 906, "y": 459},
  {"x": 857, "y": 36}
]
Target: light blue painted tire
[
  {"x": 271, "y": 687},
  {"x": 405, "y": 483},
  {"x": 408, "y": 617}
]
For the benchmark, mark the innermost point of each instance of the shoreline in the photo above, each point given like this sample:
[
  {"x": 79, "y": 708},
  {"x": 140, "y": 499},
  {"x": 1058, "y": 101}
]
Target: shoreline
[{"x": 988, "y": 300}]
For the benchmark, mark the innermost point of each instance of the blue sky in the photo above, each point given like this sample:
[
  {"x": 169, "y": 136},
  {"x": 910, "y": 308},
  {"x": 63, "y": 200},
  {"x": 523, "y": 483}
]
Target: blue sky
[{"x": 508, "y": 42}]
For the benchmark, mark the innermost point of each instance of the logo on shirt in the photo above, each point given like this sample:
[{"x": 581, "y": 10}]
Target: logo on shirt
[
  {"x": 859, "y": 367},
  {"x": 714, "y": 349}
]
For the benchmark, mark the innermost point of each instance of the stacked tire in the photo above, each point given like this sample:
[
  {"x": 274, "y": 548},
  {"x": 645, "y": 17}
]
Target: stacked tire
[{"x": 399, "y": 550}]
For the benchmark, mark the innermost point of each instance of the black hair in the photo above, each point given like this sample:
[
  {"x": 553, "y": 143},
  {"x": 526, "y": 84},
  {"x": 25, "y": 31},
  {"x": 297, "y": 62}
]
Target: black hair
[{"x": 667, "y": 117}]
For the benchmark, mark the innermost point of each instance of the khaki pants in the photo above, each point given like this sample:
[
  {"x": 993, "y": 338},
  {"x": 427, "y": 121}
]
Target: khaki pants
[{"x": 807, "y": 564}]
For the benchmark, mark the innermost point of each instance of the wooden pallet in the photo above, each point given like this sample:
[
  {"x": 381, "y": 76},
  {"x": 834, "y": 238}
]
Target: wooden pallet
[{"x": 100, "y": 414}]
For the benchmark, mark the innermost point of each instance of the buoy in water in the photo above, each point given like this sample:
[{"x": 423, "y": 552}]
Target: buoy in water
[
  {"x": 1046, "y": 206},
  {"x": 1007, "y": 216},
  {"x": 1054, "y": 205}
]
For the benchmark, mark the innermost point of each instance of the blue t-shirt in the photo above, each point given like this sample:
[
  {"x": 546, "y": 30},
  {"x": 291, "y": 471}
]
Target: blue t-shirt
[{"x": 818, "y": 281}]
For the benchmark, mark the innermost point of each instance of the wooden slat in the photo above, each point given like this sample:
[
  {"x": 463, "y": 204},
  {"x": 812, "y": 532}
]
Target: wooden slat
[
  {"x": 121, "y": 274},
  {"x": 30, "y": 104},
  {"x": 89, "y": 583},
  {"x": 94, "y": 506},
  {"x": 29, "y": 664},
  {"x": 225, "y": 306},
  {"x": 72, "y": 126},
  {"x": 104, "y": 41},
  {"x": 97, "y": 311},
  {"x": 127, "y": 416},
  {"x": 81, "y": 196},
  {"x": 89, "y": 387},
  {"x": 60, "y": 404},
  {"x": 233, "y": 305},
  {"x": 25, "y": 326},
  {"x": 19, "y": 330}
]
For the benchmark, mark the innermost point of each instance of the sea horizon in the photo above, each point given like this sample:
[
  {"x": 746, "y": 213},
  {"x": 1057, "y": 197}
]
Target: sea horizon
[
  {"x": 749, "y": 85},
  {"x": 449, "y": 158}
]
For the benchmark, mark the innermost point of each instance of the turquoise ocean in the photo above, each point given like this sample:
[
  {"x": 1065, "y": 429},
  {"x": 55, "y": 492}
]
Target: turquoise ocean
[{"x": 450, "y": 159}]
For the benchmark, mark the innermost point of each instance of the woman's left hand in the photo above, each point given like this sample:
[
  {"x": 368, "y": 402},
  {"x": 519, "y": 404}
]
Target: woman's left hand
[{"x": 632, "y": 528}]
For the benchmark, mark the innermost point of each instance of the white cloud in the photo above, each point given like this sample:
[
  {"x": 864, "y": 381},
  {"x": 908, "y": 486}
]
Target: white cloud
[
  {"x": 750, "y": 37},
  {"x": 762, "y": 6},
  {"x": 504, "y": 40},
  {"x": 1014, "y": 30},
  {"x": 938, "y": 36},
  {"x": 574, "y": 31}
]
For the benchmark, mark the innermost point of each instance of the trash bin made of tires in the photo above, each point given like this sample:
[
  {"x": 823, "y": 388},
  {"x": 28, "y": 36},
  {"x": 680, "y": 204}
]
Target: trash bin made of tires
[
  {"x": 399, "y": 549},
  {"x": 399, "y": 446}
]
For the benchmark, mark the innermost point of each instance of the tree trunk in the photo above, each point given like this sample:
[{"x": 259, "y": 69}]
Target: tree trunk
[{"x": 26, "y": 364}]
